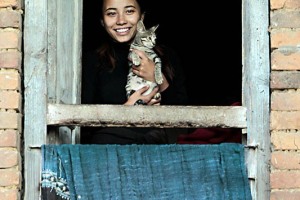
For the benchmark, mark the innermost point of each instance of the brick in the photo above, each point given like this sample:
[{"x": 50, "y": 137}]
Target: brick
[
  {"x": 10, "y": 18},
  {"x": 10, "y": 3},
  {"x": 9, "y": 177},
  {"x": 9, "y": 194},
  {"x": 285, "y": 180},
  {"x": 8, "y": 157},
  {"x": 10, "y": 99},
  {"x": 285, "y": 19},
  {"x": 285, "y": 120},
  {"x": 292, "y": 4},
  {"x": 285, "y": 59},
  {"x": 285, "y": 140},
  {"x": 288, "y": 4},
  {"x": 9, "y": 80},
  {"x": 9, "y": 138},
  {"x": 285, "y": 160},
  {"x": 285, "y": 38},
  {"x": 285, "y": 100},
  {"x": 10, "y": 120},
  {"x": 285, "y": 80},
  {"x": 285, "y": 195},
  {"x": 10, "y": 40},
  {"x": 276, "y": 4},
  {"x": 10, "y": 60}
]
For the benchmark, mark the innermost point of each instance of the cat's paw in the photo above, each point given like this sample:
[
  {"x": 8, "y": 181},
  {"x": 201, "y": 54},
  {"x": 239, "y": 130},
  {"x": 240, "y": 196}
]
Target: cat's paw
[
  {"x": 158, "y": 76},
  {"x": 136, "y": 60},
  {"x": 157, "y": 96}
]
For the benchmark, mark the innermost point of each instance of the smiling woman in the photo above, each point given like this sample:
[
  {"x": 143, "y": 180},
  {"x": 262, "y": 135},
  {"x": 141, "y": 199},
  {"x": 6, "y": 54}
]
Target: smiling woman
[
  {"x": 107, "y": 70},
  {"x": 120, "y": 18},
  {"x": 212, "y": 78}
]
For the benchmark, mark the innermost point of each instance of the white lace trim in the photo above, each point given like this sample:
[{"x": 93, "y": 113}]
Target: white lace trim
[{"x": 50, "y": 180}]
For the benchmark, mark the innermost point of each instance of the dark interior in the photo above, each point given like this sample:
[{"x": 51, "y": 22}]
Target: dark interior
[{"x": 206, "y": 37}]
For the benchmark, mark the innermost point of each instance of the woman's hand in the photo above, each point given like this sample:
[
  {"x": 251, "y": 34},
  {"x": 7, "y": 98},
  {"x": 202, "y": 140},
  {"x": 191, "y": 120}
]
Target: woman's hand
[
  {"x": 147, "y": 99},
  {"x": 146, "y": 68}
]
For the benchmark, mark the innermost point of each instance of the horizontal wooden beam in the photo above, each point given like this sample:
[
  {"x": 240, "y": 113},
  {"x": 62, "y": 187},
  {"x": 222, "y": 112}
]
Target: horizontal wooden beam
[{"x": 147, "y": 116}]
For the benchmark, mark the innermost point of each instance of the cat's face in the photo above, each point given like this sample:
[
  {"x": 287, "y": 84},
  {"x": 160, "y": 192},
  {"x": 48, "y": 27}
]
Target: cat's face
[
  {"x": 145, "y": 37},
  {"x": 120, "y": 18}
]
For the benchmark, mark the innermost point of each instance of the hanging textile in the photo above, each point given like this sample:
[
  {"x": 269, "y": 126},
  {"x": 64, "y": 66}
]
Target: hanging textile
[{"x": 145, "y": 172}]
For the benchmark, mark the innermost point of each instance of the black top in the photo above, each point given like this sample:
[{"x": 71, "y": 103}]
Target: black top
[{"x": 108, "y": 87}]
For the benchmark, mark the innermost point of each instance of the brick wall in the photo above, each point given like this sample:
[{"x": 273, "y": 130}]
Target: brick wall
[
  {"x": 10, "y": 99},
  {"x": 285, "y": 99}
]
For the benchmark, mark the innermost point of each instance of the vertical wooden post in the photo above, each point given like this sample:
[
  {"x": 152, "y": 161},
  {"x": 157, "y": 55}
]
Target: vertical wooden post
[
  {"x": 35, "y": 93},
  {"x": 256, "y": 93}
]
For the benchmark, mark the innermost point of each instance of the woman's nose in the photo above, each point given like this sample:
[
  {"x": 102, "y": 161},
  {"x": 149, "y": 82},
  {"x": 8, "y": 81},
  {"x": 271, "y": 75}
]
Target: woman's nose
[{"x": 121, "y": 20}]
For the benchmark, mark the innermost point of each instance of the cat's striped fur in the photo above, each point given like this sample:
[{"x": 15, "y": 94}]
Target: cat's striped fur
[{"x": 144, "y": 40}]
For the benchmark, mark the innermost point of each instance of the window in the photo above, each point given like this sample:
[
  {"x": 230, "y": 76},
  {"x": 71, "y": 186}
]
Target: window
[
  {"x": 54, "y": 51},
  {"x": 197, "y": 40}
]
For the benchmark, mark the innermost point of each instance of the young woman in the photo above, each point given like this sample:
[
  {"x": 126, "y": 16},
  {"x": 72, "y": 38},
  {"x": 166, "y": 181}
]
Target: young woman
[{"x": 105, "y": 75}]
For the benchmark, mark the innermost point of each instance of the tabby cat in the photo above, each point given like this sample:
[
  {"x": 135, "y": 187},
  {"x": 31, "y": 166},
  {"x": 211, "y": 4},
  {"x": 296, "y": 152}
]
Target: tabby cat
[{"x": 144, "y": 40}]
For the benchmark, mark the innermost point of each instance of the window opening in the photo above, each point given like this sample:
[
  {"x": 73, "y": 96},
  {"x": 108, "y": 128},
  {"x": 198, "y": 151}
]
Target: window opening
[{"x": 210, "y": 53}]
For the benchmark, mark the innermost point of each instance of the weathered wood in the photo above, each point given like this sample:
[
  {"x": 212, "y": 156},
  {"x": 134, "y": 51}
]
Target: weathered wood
[
  {"x": 256, "y": 90},
  {"x": 147, "y": 116},
  {"x": 52, "y": 51},
  {"x": 35, "y": 93},
  {"x": 45, "y": 45},
  {"x": 68, "y": 88},
  {"x": 64, "y": 60}
]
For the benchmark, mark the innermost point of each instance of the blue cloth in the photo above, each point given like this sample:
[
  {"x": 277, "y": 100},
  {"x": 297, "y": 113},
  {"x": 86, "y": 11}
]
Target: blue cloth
[{"x": 146, "y": 172}]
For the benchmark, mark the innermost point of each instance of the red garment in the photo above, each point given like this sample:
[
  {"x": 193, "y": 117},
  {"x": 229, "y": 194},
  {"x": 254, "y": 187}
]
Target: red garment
[{"x": 212, "y": 135}]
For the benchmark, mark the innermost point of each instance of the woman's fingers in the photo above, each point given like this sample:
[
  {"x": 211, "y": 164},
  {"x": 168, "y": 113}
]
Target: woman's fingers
[
  {"x": 143, "y": 89},
  {"x": 154, "y": 102},
  {"x": 140, "y": 53},
  {"x": 141, "y": 97},
  {"x": 147, "y": 98},
  {"x": 146, "y": 67}
]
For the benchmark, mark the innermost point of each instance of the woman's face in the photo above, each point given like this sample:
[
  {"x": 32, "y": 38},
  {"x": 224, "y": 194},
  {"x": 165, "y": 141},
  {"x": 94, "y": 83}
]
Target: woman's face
[{"x": 120, "y": 18}]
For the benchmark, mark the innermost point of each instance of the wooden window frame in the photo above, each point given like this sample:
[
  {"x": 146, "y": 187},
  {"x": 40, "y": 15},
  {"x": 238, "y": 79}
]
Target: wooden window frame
[{"x": 46, "y": 49}]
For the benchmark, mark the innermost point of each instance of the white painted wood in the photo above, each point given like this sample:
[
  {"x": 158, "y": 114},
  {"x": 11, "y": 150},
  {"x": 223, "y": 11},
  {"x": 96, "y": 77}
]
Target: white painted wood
[
  {"x": 52, "y": 135},
  {"x": 35, "y": 93},
  {"x": 69, "y": 19},
  {"x": 147, "y": 116},
  {"x": 256, "y": 92},
  {"x": 52, "y": 51},
  {"x": 45, "y": 60},
  {"x": 64, "y": 72}
]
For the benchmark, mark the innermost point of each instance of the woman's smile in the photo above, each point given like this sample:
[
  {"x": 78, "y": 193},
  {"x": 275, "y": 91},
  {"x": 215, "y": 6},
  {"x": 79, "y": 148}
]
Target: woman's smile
[{"x": 120, "y": 18}]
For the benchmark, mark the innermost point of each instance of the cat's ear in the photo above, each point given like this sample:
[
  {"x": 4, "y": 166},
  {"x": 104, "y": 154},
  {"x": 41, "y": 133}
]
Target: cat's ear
[
  {"x": 153, "y": 28},
  {"x": 141, "y": 26},
  {"x": 142, "y": 17}
]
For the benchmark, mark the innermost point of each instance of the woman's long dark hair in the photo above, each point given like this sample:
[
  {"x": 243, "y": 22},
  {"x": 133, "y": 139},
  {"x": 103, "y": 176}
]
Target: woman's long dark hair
[{"x": 107, "y": 55}]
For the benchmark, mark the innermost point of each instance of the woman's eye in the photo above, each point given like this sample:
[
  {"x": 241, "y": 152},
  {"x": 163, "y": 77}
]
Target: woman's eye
[
  {"x": 111, "y": 14},
  {"x": 130, "y": 11}
]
